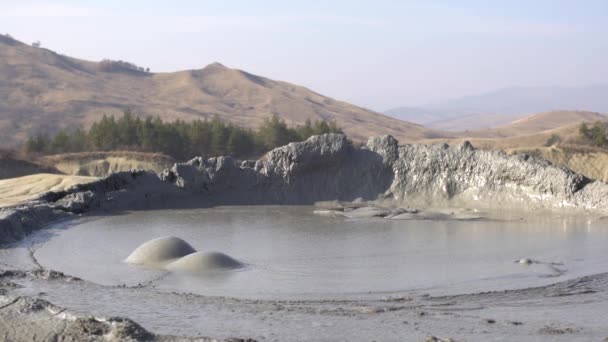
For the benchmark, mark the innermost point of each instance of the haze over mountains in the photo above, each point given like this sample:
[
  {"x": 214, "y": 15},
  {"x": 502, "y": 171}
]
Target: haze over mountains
[
  {"x": 42, "y": 92},
  {"x": 503, "y": 106}
]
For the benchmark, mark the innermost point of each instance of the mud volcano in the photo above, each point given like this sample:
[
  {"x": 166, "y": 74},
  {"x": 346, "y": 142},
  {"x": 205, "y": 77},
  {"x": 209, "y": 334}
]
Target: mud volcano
[
  {"x": 355, "y": 270},
  {"x": 201, "y": 261},
  {"x": 175, "y": 254},
  {"x": 158, "y": 251}
]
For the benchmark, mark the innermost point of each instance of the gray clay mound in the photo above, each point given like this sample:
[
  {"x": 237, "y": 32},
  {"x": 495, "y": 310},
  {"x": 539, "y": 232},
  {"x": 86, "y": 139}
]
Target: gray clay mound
[
  {"x": 201, "y": 261},
  {"x": 159, "y": 251}
]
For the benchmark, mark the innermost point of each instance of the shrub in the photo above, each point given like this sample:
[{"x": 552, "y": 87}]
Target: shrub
[
  {"x": 108, "y": 65},
  {"x": 554, "y": 139}
]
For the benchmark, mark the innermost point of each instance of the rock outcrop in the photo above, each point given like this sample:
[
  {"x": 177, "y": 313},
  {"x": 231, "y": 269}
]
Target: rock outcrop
[
  {"x": 328, "y": 167},
  {"x": 325, "y": 167}
]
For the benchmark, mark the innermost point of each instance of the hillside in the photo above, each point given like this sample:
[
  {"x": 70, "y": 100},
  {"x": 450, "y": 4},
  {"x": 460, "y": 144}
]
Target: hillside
[
  {"x": 538, "y": 123},
  {"x": 531, "y": 134},
  {"x": 42, "y": 91},
  {"x": 503, "y": 106},
  {"x": 528, "y": 132}
]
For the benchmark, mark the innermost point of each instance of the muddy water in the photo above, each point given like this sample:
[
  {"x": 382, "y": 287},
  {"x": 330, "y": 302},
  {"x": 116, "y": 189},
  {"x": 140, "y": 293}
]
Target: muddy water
[{"x": 291, "y": 253}]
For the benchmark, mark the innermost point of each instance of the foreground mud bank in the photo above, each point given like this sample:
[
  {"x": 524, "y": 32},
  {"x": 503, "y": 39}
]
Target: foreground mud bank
[
  {"x": 25, "y": 318},
  {"x": 566, "y": 311},
  {"x": 30, "y": 319}
]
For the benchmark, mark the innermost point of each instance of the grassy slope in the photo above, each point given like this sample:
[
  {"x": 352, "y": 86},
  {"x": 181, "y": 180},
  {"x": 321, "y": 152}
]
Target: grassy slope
[{"x": 43, "y": 91}]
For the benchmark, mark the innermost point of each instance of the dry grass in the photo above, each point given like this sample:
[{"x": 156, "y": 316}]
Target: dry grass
[
  {"x": 44, "y": 91},
  {"x": 592, "y": 163},
  {"x": 529, "y": 132},
  {"x": 100, "y": 164},
  {"x": 16, "y": 190},
  {"x": 535, "y": 124},
  {"x": 529, "y": 135}
]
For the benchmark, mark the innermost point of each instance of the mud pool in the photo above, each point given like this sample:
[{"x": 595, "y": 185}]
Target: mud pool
[
  {"x": 336, "y": 277},
  {"x": 291, "y": 254}
]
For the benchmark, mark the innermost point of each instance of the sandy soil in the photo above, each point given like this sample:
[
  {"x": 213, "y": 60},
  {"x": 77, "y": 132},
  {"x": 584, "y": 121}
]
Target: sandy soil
[{"x": 17, "y": 190}]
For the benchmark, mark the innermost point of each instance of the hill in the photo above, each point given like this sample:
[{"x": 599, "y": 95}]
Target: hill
[
  {"x": 529, "y": 132},
  {"x": 42, "y": 91},
  {"x": 500, "y": 107},
  {"x": 418, "y": 115},
  {"x": 538, "y": 123},
  {"x": 532, "y": 134}
]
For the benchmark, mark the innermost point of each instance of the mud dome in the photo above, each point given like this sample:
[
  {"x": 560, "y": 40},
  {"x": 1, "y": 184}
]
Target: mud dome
[
  {"x": 204, "y": 262},
  {"x": 174, "y": 254},
  {"x": 160, "y": 251}
]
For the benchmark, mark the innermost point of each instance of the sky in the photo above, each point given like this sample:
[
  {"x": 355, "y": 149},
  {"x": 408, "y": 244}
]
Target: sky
[{"x": 378, "y": 54}]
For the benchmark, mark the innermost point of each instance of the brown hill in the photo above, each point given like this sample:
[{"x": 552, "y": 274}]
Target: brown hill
[
  {"x": 529, "y": 132},
  {"x": 531, "y": 135},
  {"x": 42, "y": 91},
  {"x": 538, "y": 123}
]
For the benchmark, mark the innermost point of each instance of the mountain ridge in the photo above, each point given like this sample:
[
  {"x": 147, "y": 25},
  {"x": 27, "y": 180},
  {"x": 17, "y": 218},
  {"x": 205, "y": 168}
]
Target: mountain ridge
[
  {"x": 43, "y": 91},
  {"x": 500, "y": 107}
]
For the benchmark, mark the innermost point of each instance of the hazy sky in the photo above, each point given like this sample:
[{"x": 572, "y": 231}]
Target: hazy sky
[{"x": 377, "y": 54}]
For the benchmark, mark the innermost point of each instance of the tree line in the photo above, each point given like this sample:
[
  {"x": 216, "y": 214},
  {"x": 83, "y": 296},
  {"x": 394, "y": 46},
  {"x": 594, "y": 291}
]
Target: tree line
[
  {"x": 178, "y": 139},
  {"x": 108, "y": 65}
]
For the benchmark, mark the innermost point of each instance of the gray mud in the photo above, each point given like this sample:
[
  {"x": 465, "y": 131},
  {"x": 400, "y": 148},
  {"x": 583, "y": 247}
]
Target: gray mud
[
  {"x": 324, "y": 168},
  {"x": 568, "y": 307},
  {"x": 566, "y": 311}
]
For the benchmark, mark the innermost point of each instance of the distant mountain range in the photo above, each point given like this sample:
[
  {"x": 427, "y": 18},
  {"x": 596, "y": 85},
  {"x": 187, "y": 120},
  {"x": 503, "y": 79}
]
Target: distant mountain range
[
  {"x": 503, "y": 106},
  {"x": 42, "y": 91}
]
